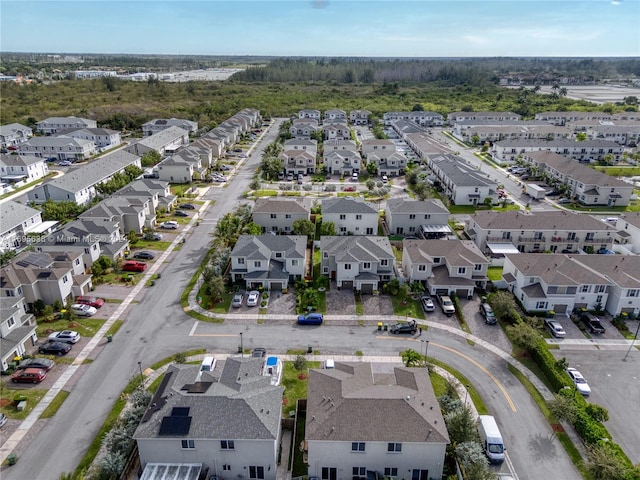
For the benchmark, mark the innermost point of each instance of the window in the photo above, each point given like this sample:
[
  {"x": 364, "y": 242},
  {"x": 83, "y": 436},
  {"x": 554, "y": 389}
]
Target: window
[
  {"x": 241, "y": 261},
  {"x": 366, "y": 265},
  {"x": 412, "y": 216},
  {"x": 288, "y": 215},
  {"x": 256, "y": 472},
  {"x": 541, "y": 305},
  {"x": 427, "y": 216},
  {"x": 477, "y": 267},
  {"x": 359, "y": 471},
  {"x": 227, "y": 445},
  {"x": 278, "y": 254},
  {"x": 358, "y": 217},
  {"x": 584, "y": 289},
  {"x": 347, "y": 266},
  {"x": 188, "y": 444},
  {"x": 10, "y": 293},
  {"x": 422, "y": 268},
  {"x": 357, "y": 446},
  {"x": 294, "y": 263},
  {"x": 343, "y": 217},
  {"x": 11, "y": 322},
  {"x": 632, "y": 293},
  {"x": 325, "y": 254},
  {"x": 65, "y": 279},
  {"x": 394, "y": 447},
  {"x": 600, "y": 288},
  {"x": 390, "y": 471},
  {"x": 226, "y": 467},
  {"x": 257, "y": 264},
  {"x": 273, "y": 215},
  {"x": 462, "y": 270},
  {"x": 325, "y": 269},
  {"x": 384, "y": 262},
  {"x": 436, "y": 260}
]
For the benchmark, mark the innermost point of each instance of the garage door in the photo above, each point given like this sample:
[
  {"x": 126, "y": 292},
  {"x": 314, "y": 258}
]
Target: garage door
[
  {"x": 462, "y": 292},
  {"x": 347, "y": 284},
  {"x": 442, "y": 291},
  {"x": 276, "y": 285},
  {"x": 560, "y": 308},
  {"x": 366, "y": 288}
]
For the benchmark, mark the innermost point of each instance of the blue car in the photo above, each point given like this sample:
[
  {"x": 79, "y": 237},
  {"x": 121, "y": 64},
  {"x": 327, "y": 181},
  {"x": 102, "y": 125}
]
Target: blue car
[{"x": 310, "y": 319}]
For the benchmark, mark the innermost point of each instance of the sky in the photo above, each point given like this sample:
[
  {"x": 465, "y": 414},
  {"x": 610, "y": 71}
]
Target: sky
[{"x": 358, "y": 28}]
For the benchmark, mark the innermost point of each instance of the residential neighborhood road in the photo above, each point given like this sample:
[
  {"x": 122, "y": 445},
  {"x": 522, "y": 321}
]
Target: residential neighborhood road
[{"x": 157, "y": 327}]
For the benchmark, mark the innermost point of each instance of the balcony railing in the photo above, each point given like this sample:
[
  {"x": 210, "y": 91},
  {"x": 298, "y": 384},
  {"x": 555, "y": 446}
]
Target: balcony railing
[{"x": 523, "y": 239}]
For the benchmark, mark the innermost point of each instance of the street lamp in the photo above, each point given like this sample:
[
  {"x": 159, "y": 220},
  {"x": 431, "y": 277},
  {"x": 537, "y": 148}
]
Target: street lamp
[
  {"x": 141, "y": 376},
  {"x": 635, "y": 337},
  {"x": 426, "y": 350},
  {"x": 466, "y": 392},
  {"x": 241, "y": 346}
]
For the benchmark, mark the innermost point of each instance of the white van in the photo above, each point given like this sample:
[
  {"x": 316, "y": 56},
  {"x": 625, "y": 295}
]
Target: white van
[
  {"x": 208, "y": 364},
  {"x": 354, "y": 177},
  {"x": 329, "y": 363},
  {"x": 491, "y": 438}
]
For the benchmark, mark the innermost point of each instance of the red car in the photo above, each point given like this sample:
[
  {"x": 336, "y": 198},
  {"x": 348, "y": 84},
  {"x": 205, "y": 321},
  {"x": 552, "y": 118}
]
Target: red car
[
  {"x": 133, "y": 266},
  {"x": 29, "y": 375},
  {"x": 349, "y": 189},
  {"x": 91, "y": 301}
]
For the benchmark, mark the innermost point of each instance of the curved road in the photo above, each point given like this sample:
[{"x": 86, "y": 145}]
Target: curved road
[{"x": 157, "y": 327}]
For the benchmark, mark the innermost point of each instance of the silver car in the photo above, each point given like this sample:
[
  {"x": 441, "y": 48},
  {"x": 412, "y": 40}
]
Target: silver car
[
  {"x": 66, "y": 336},
  {"x": 253, "y": 298},
  {"x": 555, "y": 328},
  {"x": 83, "y": 310},
  {"x": 238, "y": 298}
]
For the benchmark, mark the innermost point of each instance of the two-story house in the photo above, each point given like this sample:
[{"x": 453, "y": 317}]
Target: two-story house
[
  {"x": 22, "y": 168},
  {"x": 78, "y": 185},
  {"x": 60, "y": 147},
  {"x": 226, "y": 423},
  {"x": 335, "y": 114},
  {"x": 51, "y": 125},
  {"x": 158, "y": 191},
  {"x": 159, "y": 124},
  {"x": 359, "y": 117},
  {"x": 362, "y": 263},
  {"x": 14, "y": 134},
  {"x": 362, "y": 423},
  {"x": 454, "y": 117},
  {"x": 588, "y": 151},
  {"x": 164, "y": 142},
  {"x": 427, "y": 219},
  {"x": 587, "y": 186},
  {"x": 303, "y": 127},
  {"x": 422, "y": 118},
  {"x": 460, "y": 182},
  {"x": 552, "y": 231},
  {"x": 17, "y": 327},
  {"x": 556, "y": 283},
  {"x": 130, "y": 213},
  {"x": 17, "y": 221},
  {"x": 310, "y": 113},
  {"x": 277, "y": 215},
  {"x": 343, "y": 162},
  {"x": 270, "y": 261},
  {"x": 104, "y": 138},
  {"x": 350, "y": 215},
  {"x": 383, "y": 154},
  {"x": 445, "y": 266},
  {"x": 628, "y": 226}
]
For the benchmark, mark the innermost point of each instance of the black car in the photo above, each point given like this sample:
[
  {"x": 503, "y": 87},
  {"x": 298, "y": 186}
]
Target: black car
[
  {"x": 41, "y": 363},
  {"x": 592, "y": 323},
  {"x": 408, "y": 327},
  {"x": 259, "y": 352},
  {"x": 188, "y": 206},
  {"x": 144, "y": 255},
  {"x": 180, "y": 213},
  {"x": 54, "y": 348}
]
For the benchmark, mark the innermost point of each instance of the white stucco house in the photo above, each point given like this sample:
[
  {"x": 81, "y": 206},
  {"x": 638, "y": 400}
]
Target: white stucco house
[{"x": 350, "y": 215}]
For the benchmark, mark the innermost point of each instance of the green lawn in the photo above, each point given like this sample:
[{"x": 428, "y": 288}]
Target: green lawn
[
  {"x": 32, "y": 395},
  {"x": 619, "y": 171},
  {"x": 295, "y": 384},
  {"x": 265, "y": 193},
  {"x": 149, "y": 245},
  {"x": 87, "y": 327},
  {"x": 494, "y": 273},
  {"x": 408, "y": 308}
]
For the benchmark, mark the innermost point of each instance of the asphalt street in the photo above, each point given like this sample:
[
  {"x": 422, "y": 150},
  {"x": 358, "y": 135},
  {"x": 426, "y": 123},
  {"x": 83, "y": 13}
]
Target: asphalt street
[{"x": 157, "y": 327}]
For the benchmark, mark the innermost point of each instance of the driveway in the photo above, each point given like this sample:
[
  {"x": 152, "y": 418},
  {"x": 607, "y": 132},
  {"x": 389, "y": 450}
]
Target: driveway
[
  {"x": 377, "y": 305},
  {"x": 340, "y": 302},
  {"x": 490, "y": 333}
]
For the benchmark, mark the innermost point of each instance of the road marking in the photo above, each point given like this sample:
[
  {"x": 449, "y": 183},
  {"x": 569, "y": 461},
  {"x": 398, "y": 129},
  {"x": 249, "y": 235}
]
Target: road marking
[
  {"x": 193, "y": 333},
  {"x": 510, "y": 466},
  {"x": 469, "y": 359}
]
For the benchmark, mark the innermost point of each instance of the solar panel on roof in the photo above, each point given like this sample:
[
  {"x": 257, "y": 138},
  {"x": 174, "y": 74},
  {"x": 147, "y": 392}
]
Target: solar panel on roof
[
  {"x": 44, "y": 274},
  {"x": 175, "y": 426},
  {"x": 180, "y": 411},
  {"x": 199, "y": 387}
]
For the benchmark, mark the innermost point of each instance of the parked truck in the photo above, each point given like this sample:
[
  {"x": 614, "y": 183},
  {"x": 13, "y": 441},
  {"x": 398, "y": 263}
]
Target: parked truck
[
  {"x": 535, "y": 191},
  {"x": 491, "y": 438}
]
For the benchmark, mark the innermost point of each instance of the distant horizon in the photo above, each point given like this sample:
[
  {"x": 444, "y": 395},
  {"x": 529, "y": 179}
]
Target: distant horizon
[{"x": 325, "y": 28}]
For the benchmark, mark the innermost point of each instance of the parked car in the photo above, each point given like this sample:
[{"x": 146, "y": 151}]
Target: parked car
[
  {"x": 253, "y": 298},
  {"x": 65, "y": 336},
  {"x": 310, "y": 319},
  {"x": 144, "y": 255},
  {"x": 187, "y": 206},
  {"x": 487, "y": 312},
  {"x": 348, "y": 189},
  {"x": 156, "y": 237},
  {"x": 446, "y": 304},
  {"x": 41, "y": 363},
  {"x": 406, "y": 327},
  {"x": 29, "y": 375},
  {"x": 354, "y": 177},
  {"x": 385, "y": 179},
  {"x": 64, "y": 163},
  {"x": 169, "y": 225},
  {"x": 237, "y": 301},
  {"x": 54, "y": 348},
  {"x": 564, "y": 201},
  {"x": 427, "y": 303},
  {"x": 555, "y": 328},
  {"x": 300, "y": 179},
  {"x": 290, "y": 177},
  {"x": 134, "y": 266},
  {"x": 579, "y": 381},
  {"x": 3, "y": 420},
  {"x": 225, "y": 168},
  {"x": 259, "y": 352},
  {"x": 180, "y": 213},
  {"x": 82, "y": 310},
  {"x": 593, "y": 323},
  {"x": 94, "y": 302}
]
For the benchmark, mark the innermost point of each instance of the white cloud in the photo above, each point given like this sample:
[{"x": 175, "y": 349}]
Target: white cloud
[
  {"x": 475, "y": 39},
  {"x": 404, "y": 39}
]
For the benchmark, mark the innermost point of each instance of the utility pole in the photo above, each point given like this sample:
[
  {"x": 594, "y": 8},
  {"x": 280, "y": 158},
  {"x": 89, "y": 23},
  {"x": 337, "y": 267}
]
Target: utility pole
[{"x": 635, "y": 337}]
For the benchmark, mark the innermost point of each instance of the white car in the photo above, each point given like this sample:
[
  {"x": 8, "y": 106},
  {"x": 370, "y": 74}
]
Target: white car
[
  {"x": 555, "y": 328},
  {"x": 253, "y": 298},
  {"x": 169, "y": 225},
  {"x": 66, "y": 336},
  {"x": 82, "y": 310},
  {"x": 427, "y": 303},
  {"x": 581, "y": 384}
]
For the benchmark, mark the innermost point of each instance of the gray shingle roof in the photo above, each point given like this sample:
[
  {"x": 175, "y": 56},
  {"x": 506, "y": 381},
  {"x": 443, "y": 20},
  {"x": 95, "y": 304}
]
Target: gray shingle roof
[
  {"x": 351, "y": 403},
  {"x": 13, "y": 214},
  {"x": 402, "y": 205},
  {"x": 239, "y": 404},
  {"x": 459, "y": 172},
  {"x": 552, "y": 220},
  {"x": 281, "y": 205},
  {"x": 357, "y": 248},
  {"x": 347, "y": 205},
  {"x": 19, "y": 160},
  {"x": 457, "y": 252},
  {"x": 162, "y": 138},
  {"x": 558, "y": 269},
  {"x": 261, "y": 246}
]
